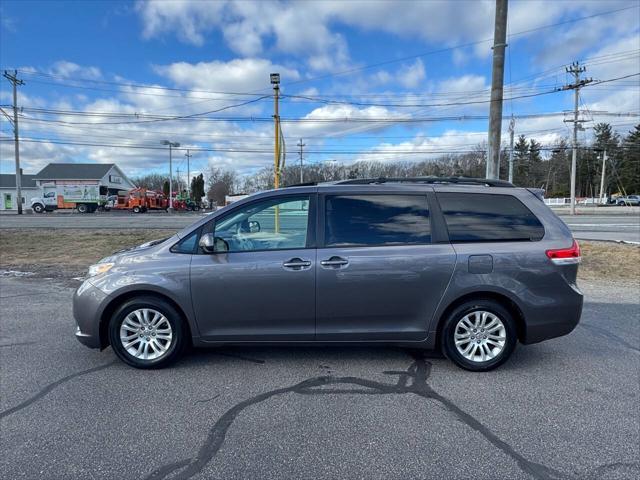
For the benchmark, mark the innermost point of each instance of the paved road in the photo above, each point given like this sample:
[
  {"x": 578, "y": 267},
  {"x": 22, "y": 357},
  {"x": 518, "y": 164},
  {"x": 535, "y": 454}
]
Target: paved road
[
  {"x": 605, "y": 227},
  {"x": 110, "y": 220},
  {"x": 563, "y": 409},
  {"x": 618, "y": 227}
]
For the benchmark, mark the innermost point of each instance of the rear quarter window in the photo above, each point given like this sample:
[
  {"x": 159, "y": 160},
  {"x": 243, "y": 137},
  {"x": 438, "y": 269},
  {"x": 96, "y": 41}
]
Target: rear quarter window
[
  {"x": 376, "y": 220},
  {"x": 477, "y": 217}
]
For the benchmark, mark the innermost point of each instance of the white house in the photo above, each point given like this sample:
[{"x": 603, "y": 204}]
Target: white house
[
  {"x": 8, "y": 193},
  {"x": 105, "y": 175}
]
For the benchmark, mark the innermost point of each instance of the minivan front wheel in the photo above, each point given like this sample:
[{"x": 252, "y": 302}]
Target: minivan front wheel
[
  {"x": 147, "y": 332},
  {"x": 479, "y": 335}
]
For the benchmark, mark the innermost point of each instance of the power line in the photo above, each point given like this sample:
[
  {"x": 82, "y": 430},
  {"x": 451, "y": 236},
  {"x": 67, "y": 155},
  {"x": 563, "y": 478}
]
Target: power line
[
  {"x": 327, "y": 120},
  {"x": 262, "y": 151},
  {"x": 201, "y": 115},
  {"x": 339, "y": 73}
]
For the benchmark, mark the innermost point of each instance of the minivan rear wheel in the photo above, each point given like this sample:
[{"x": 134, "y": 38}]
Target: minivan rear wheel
[
  {"x": 479, "y": 335},
  {"x": 147, "y": 332}
]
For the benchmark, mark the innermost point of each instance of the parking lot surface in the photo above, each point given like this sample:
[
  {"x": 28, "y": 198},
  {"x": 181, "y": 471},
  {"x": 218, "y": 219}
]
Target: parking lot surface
[{"x": 564, "y": 409}]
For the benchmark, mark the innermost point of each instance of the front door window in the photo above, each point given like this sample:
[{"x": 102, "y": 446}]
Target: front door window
[
  {"x": 8, "y": 204},
  {"x": 274, "y": 224}
]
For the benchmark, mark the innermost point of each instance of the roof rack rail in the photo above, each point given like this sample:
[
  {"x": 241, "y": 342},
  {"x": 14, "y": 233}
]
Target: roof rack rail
[
  {"x": 303, "y": 184},
  {"x": 429, "y": 180}
]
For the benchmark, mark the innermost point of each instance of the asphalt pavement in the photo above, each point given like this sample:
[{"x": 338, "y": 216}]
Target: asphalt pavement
[
  {"x": 616, "y": 226},
  {"x": 562, "y": 409}
]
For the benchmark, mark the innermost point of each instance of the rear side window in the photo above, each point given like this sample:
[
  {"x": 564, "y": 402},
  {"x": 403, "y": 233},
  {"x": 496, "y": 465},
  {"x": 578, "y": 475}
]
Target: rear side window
[
  {"x": 476, "y": 217},
  {"x": 367, "y": 220}
]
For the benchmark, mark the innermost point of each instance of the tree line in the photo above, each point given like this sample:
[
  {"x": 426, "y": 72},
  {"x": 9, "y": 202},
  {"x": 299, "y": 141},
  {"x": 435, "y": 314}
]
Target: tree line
[{"x": 534, "y": 166}]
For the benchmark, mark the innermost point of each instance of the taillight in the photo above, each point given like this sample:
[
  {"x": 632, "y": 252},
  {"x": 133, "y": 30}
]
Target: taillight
[{"x": 565, "y": 256}]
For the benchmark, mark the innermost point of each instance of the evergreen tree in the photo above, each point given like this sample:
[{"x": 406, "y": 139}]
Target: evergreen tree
[
  {"x": 197, "y": 187},
  {"x": 521, "y": 161},
  {"x": 558, "y": 173},
  {"x": 629, "y": 170},
  {"x": 536, "y": 175},
  {"x": 606, "y": 139}
]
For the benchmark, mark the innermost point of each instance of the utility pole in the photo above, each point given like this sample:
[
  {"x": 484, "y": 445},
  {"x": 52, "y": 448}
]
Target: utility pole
[
  {"x": 13, "y": 78},
  {"x": 512, "y": 125},
  {"x": 275, "y": 81},
  {"x": 497, "y": 81},
  {"x": 188, "y": 155},
  {"x": 575, "y": 69},
  {"x": 604, "y": 166},
  {"x": 301, "y": 145}
]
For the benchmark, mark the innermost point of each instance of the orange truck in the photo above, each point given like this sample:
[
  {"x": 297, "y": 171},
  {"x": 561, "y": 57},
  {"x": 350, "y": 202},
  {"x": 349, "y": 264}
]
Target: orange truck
[{"x": 138, "y": 200}]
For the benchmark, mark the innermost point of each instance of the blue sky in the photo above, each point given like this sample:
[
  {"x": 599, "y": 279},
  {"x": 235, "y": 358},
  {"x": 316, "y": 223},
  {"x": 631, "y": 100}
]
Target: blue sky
[{"x": 116, "y": 74}]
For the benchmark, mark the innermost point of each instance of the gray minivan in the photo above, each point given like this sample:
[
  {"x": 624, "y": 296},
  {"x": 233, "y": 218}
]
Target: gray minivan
[{"x": 467, "y": 266}]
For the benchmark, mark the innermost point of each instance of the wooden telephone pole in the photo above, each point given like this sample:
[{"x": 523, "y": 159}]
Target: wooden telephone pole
[
  {"x": 497, "y": 84},
  {"x": 575, "y": 69},
  {"x": 13, "y": 78}
]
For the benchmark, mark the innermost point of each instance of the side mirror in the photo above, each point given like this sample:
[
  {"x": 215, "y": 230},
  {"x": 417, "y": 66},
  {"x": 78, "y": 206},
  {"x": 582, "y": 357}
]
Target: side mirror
[
  {"x": 220, "y": 245},
  {"x": 254, "y": 226},
  {"x": 207, "y": 243},
  {"x": 210, "y": 244}
]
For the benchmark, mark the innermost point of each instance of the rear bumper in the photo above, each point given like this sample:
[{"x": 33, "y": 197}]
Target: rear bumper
[
  {"x": 554, "y": 320},
  {"x": 88, "y": 304}
]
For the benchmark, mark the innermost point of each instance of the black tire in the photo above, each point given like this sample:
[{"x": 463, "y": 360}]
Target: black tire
[
  {"x": 136, "y": 209},
  {"x": 449, "y": 328},
  {"x": 38, "y": 208},
  {"x": 82, "y": 208},
  {"x": 179, "y": 332}
]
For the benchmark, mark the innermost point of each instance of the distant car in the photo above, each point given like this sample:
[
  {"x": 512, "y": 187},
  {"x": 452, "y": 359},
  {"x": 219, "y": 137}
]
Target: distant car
[
  {"x": 464, "y": 265},
  {"x": 628, "y": 200}
]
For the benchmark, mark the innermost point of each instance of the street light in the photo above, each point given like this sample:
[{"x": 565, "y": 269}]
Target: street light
[{"x": 171, "y": 145}]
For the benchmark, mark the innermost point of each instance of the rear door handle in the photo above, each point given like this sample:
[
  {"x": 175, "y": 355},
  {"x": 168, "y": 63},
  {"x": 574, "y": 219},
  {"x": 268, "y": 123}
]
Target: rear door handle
[
  {"x": 334, "y": 262},
  {"x": 297, "y": 264}
]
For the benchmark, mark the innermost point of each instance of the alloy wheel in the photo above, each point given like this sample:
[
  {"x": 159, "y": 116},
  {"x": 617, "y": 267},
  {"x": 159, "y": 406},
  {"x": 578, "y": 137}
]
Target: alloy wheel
[
  {"x": 146, "y": 334},
  {"x": 480, "y": 336}
]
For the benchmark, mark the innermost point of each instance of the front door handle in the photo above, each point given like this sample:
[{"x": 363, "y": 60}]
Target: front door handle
[
  {"x": 297, "y": 264},
  {"x": 334, "y": 261}
]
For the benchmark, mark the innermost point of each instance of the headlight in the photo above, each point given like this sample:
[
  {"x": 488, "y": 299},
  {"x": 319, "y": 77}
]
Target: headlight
[{"x": 99, "y": 268}]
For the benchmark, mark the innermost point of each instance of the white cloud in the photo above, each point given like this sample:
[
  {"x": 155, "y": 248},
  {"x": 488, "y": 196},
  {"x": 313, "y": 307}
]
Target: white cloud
[
  {"x": 296, "y": 28},
  {"x": 65, "y": 68},
  {"x": 238, "y": 75},
  {"x": 307, "y": 29},
  {"x": 412, "y": 76},
  {"x": 464, "y": 84},
  {"x": 190, "y": 20}
]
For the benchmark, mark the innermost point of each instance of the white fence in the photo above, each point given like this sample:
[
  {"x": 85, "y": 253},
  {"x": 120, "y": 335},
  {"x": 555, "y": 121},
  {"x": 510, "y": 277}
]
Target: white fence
[{"x": 579, "y": 201}]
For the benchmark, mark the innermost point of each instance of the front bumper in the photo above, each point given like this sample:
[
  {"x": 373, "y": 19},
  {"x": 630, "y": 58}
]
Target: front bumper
[{"x": 88, "y": 304}]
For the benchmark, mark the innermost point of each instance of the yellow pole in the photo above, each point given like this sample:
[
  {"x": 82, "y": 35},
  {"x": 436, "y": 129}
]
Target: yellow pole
[{"x": 276, "y": 160}]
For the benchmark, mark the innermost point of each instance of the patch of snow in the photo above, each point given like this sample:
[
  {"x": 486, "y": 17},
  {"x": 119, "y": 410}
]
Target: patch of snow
[{"x": 15, "y": 273}]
